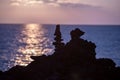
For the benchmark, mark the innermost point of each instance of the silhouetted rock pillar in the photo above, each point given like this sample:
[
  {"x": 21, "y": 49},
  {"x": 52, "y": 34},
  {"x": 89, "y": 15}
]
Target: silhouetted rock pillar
[
  {"x": 58, "y": 41},
  {"x": 81, "y": 50},
  {"x": 76, "y": 34}
]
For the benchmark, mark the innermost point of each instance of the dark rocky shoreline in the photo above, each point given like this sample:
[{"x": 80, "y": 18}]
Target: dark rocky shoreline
[{"x": 72, "y": 61}]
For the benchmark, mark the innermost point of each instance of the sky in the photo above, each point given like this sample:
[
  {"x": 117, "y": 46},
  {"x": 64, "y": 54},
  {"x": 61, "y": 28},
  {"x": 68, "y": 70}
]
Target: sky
[{"x": 60, "y": 11}]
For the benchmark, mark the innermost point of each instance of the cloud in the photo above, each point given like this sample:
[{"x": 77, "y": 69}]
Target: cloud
[
  {"x": 26, "y": 2},
  {"x": 56, "y": 11},
  {"x": 69, "y": 1},
  {"x": 60, "y": 3},
  {"x": 70, "y": 5}
]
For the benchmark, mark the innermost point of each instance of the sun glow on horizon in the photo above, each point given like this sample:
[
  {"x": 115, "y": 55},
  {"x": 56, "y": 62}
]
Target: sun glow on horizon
[{"x": 64, "y": 11}]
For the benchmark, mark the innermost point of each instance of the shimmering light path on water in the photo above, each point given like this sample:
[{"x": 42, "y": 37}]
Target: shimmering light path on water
[
  {"x": 35, "y": 43},
  {"x": 31, "y": 40}
]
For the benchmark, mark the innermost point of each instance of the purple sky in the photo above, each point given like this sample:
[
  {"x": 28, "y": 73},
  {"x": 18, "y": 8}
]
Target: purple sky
[{"x": 60, "y": 11}]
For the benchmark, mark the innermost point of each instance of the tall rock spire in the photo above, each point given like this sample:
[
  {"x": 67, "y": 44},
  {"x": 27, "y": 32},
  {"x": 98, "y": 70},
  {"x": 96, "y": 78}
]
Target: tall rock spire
[{"x": 58, "y": 41}]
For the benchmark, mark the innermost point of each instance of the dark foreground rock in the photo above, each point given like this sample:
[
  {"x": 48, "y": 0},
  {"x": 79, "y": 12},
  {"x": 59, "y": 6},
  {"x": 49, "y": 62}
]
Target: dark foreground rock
[{"x": 72, "y": 61}]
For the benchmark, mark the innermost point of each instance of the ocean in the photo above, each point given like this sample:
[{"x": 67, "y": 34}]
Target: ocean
[{"x": 20, "y": 41}]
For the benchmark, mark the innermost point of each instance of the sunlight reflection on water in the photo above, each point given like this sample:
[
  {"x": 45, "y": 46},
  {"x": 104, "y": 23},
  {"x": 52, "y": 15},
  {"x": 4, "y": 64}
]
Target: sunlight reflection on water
[{"x": 35, "y": 43}]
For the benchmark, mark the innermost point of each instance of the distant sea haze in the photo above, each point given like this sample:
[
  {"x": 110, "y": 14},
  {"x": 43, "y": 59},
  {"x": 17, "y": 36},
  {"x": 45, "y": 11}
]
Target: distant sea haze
[{"x": 20, "y": 41}]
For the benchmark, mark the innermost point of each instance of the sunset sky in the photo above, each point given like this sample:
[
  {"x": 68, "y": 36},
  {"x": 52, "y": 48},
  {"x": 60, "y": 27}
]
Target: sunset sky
[{"x": 60, "y": 11}]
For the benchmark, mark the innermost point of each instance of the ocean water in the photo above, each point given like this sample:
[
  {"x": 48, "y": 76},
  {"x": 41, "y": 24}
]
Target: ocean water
[{"x": 20, "y": 41}]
